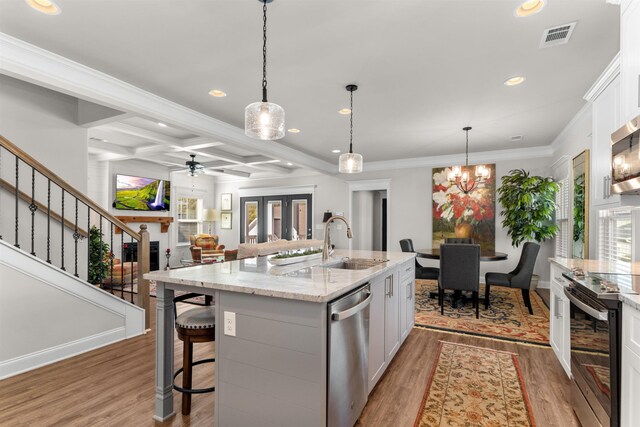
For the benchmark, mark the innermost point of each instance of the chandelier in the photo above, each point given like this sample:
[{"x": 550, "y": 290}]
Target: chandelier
[
  {"x": 194, "y": 168},
  {"x": 350, "y": 162},
  {"x": 264, "y": 120},
  {"x": 460, "y": 177}
]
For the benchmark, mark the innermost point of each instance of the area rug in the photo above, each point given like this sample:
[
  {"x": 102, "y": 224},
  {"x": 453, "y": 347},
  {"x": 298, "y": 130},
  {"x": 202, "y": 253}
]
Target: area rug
[
  {"x": 474, "y": 386},
  {"x": 506, "y": 318}
]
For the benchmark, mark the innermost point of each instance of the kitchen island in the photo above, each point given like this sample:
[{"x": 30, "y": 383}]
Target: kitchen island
[{"x": 272, "y": 365}]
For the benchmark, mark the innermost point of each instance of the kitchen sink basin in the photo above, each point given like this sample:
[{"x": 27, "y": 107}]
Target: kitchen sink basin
[{"x": 355, "y": 263}]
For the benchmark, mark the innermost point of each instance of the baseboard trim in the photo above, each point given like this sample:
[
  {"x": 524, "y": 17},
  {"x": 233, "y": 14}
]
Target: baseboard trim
[{"x": 28, "y": 362}]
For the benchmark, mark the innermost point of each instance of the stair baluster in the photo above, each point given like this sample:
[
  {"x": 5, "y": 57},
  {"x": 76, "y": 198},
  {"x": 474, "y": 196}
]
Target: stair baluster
[{"x": 33, "y": 208}]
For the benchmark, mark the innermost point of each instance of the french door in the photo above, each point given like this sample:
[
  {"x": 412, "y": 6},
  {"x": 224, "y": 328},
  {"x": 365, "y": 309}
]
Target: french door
[{"x": 271, "y": 218}]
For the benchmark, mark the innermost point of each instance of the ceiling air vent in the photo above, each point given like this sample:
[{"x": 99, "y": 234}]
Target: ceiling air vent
[
  {"x": 557, "y": 35},
  {"x": 516, "y": 138}
]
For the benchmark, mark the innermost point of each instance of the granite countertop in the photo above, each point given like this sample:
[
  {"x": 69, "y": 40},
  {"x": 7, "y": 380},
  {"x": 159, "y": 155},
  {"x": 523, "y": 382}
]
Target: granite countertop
[
  {"x": 598, "y": 266},
  {"x": 304, "y": 281}
]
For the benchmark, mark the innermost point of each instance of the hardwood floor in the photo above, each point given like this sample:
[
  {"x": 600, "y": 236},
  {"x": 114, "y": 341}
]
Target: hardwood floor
[{"x": 114, "y": 386}]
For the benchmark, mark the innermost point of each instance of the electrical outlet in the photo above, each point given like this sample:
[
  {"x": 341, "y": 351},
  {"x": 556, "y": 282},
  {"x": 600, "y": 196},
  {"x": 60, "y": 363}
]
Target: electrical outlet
[
  {"x": 338, "y": 226},
  {"x": 230, "y": 323},
  {"x": 319, "y": 226}
]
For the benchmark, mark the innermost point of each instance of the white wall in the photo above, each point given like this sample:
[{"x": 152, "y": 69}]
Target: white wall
[
  {"x": 43, "y": 124},
  {"x": 330, "y": 194},
  {"x": 409, "y": 208},
  {"x": 362, "y": 218}
]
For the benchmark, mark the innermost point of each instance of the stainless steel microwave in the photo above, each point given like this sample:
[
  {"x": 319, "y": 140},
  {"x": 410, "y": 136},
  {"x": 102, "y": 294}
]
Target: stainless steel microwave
[{"x": 625, "y": 158}]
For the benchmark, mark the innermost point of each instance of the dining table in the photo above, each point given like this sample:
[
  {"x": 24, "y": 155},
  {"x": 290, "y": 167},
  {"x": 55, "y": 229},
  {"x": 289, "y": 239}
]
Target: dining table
[
  {"x": 434, "y": 253},
  {"x": 458, "y": 298}
]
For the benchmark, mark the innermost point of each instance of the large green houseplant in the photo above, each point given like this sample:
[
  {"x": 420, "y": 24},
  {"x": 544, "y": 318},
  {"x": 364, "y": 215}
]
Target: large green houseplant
[
  {"x": 528, "y": 204},
  {"x": 99, "y": 256}
]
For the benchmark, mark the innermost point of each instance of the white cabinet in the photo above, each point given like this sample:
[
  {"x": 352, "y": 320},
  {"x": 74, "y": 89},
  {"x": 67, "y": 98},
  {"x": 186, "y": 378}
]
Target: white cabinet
[
  {"x": 630, "y": 60},
  {"x": 559, "y": 319},
  {"x": 630, "y": 371},
  {"x": 605, "y": 120},
  {"x": 407, "y": 299},
  {"x": 376, "y": 330},
  {"x": 391, "y": 316}
]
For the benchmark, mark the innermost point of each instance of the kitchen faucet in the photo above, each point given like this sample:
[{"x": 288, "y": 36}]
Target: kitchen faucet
[{"x": 326, "y": 245}]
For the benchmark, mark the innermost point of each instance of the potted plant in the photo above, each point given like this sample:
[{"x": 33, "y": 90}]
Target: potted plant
[
  {"x": 528, "y": 204},
  {"x": 99, "y": 257}
]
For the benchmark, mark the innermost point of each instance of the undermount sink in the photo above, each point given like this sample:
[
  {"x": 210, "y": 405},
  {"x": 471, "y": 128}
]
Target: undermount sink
[{"x": 355, "y": 263}]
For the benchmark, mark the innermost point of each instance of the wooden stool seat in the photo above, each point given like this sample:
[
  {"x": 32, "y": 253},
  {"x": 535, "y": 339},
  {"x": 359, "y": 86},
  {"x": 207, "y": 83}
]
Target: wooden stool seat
[{"x": 193, "y": 326}]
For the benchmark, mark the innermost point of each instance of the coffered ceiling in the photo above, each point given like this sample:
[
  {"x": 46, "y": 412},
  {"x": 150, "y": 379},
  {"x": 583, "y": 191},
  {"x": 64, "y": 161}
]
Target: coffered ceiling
[{"x": 425, "y": 69}]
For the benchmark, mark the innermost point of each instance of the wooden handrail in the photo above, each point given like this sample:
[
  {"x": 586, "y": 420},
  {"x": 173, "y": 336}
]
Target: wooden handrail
[
  {"x": 16, "y": 151},
  {"x": 142, "y": 237},
  {"x": 42, "y": 208}
]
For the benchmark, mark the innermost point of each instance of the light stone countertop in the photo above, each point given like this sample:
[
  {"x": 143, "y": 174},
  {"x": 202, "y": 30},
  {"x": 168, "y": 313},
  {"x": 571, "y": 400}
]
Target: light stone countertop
[
  {"x": 304, "y": 281},
  {"x": 598, "y": 266}
]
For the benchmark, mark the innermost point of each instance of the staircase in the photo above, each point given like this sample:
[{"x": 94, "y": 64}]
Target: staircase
[{"x": 60, "y": 294}]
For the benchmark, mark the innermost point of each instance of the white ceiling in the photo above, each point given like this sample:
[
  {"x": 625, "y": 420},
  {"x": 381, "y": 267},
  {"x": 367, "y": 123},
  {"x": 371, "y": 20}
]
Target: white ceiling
[{"x": 425, "y": 68}]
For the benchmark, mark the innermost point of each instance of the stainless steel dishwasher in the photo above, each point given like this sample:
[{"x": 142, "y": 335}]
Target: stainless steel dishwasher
[{"x": 348, "y": 366}]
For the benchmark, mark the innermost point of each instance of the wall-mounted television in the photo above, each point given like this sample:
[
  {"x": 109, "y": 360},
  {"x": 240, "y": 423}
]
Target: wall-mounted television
[{"x": 142, "y": 194}]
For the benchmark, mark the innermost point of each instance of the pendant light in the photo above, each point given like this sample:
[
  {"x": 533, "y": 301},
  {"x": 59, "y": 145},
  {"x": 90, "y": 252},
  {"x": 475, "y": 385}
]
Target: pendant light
[
  {"x": 194, "y": 168},
  {"x": 350, "y": 162},
  {"x": 460, "y": 178},
  {"x": 264, "y": 120}
]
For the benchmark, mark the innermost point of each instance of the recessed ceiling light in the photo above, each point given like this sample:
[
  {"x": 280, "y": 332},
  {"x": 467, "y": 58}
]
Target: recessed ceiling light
[
  {"x": 162, "y": 125},
  {"x": 294, "y": 130},
  {"x": 344, "y": 111},
  {"x": 335, "y": 151},
  {"x": 289, "y": 164},
  {"x": 44, "y": 6},
  {"x": 217, "y": 93},
  {"x": 529, "y": 7},
  {"x": 513, "y": 81}
]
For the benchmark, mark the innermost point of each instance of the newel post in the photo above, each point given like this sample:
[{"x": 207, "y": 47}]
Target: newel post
[{"x": 143, "y": 268}]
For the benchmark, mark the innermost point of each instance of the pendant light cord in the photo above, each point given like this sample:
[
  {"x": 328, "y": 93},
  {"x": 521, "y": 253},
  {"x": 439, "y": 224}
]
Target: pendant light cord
[
  {"x": 264, "y": 51},
  {"x": 467, "y": 150},
  {"x": 351, "y": 126}
]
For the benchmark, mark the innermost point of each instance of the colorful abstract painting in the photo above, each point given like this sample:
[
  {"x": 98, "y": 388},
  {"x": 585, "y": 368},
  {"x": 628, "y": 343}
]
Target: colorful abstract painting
[{"x": 456, "y": 214}]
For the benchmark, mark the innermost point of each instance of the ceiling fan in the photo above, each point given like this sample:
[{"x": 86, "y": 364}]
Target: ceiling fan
[{"x": 194, "y": 168}]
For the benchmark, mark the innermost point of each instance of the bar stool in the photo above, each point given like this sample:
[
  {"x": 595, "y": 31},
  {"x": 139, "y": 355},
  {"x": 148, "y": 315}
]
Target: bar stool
[{"x": 196, "y": 325}]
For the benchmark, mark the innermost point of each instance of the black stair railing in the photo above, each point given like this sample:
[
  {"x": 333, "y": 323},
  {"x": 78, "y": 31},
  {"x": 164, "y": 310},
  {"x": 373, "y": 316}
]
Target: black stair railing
[{"x": 39, "y": 234}]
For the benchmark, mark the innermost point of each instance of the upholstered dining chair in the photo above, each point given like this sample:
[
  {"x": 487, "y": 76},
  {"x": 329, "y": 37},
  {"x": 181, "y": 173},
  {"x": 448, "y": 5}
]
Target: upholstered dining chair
[
  {"x": 425, "y": 273},
  {"x": 520, "y": 277},
  {"x": 465, "y": 240},
  {"x": 459, "y": 271}
]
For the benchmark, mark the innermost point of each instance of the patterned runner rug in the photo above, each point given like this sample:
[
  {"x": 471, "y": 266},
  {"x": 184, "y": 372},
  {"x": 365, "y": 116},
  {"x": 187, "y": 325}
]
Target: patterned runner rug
[
  {"x": 507, "y": 316},
  {"x": 474, "y": 386}
]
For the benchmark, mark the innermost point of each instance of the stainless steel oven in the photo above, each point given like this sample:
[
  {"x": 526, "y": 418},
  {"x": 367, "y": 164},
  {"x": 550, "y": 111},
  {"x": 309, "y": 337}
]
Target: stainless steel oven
[
  {"x": 595, "y": 333},
  {"x": 625, "y": 158}
]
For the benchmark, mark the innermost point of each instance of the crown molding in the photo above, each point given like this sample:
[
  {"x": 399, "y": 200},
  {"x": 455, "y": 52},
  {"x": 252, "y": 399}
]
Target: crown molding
[
  {"x": 608, "y": 75},
  {"x": 33, "y": 64},
  {"x": 561, "y": 139},
  {"x": 479, "y": 157}
]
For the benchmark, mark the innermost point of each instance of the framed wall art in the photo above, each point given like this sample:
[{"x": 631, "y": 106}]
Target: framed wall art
[
  {"x": 225, "y": 220},
  {"x": 225, "y": 201}
]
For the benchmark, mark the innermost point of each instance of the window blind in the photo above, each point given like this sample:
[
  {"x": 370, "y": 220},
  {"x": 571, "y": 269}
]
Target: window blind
[
  {"x": 189, "y": 218},
  {"x": 562, "y": 218},
  {"x": 615, "y": 238}
]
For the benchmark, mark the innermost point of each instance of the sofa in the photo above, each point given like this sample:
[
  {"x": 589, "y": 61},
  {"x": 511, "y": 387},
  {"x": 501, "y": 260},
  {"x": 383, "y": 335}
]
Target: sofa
[
  {"x": 115, "y": 276},
  {"x": 205, "y": 246}
]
